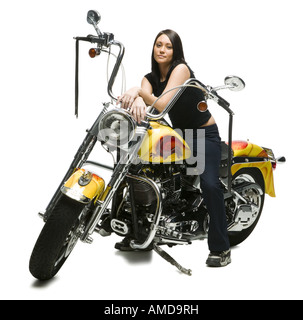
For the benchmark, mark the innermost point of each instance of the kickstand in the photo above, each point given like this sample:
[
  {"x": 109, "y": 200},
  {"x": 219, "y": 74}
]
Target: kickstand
[{"x": 171, "y": 260}]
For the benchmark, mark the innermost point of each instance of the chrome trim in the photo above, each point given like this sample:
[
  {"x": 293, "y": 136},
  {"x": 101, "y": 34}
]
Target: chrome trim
[
  {"x": 199, "y": 108},
  {"x": 85, "y": 179},
  {"x": 157, "y": 215},
  {"x": 75, "y": 194},
  {"x": 209, "y": 92},
  {"x": 246, "y": 213},
  {"x": 117, "y": 112},
  {"x": 41, "y": 214},
  {"x": 234, "y": 83},
  {"x": 119, "y": 226},
  {"x": 115, "y": 69},
  {"x": 171, "y": 241}
]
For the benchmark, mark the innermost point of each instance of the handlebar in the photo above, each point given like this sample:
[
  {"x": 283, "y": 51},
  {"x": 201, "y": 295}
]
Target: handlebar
[
  {"x": 106, "y": 40},
  {"x": 115, "y": 69},
  {"x": 208, "y": 91},
  {"x": 221, "y": 102}
]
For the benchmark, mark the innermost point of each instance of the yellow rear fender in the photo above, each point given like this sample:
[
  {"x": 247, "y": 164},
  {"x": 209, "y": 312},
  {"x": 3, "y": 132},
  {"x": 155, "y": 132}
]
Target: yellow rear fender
[
  {"x": 266, "y": 170},
  {"x": 249, "y": 155}
]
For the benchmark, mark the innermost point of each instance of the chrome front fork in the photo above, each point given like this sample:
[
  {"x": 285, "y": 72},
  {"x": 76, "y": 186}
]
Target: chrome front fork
[{"x": 119, "y": 173}]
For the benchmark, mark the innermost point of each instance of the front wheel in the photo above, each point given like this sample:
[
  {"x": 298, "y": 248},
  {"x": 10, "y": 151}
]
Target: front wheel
[
  {"x": 56, "y": 240},
  {"x": 246, "y": 208}
]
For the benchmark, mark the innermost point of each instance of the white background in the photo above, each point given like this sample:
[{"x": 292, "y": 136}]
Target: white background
[{"x": 259, "y": 40}]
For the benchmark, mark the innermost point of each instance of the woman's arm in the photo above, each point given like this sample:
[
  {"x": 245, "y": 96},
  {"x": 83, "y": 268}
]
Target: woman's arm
[
  {"x": 136, "y": 99},
  {"x": 133, "y": 102},
  {"x": 138, "y": 107},
  {"x": 128, "y": 97}
]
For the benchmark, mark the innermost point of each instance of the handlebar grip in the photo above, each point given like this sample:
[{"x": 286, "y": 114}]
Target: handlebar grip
[
  {"x": 92, "y": 39},
  {"x": 88, "y": 39},
  {"x": 221, "y": 102}
]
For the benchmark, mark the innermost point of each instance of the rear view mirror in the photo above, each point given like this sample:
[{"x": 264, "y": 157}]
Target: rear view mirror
[
  {"x": 93, "y": 17},
  {"x": 234, "y": 83}
]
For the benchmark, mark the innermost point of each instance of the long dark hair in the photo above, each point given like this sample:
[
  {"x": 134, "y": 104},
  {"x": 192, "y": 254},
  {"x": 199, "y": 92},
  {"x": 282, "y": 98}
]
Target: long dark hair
[{"x": 178, "y": 54}]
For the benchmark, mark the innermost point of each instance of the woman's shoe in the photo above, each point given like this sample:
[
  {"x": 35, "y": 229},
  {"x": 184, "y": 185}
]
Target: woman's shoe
[{"x": 219, "y": 259}]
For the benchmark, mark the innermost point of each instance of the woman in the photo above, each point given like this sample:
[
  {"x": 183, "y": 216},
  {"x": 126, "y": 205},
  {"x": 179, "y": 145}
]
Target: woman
[{"x": 169, "y": 70}]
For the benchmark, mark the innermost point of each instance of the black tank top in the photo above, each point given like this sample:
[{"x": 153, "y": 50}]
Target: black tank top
[{"x": 184, "y": 114}]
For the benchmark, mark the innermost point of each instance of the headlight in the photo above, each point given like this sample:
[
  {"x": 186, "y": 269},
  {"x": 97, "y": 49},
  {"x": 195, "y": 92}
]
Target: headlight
[{"x": 116, "y": 127}]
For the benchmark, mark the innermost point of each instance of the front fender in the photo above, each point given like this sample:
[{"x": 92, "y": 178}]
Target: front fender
[{"x": 83, "y": 186}]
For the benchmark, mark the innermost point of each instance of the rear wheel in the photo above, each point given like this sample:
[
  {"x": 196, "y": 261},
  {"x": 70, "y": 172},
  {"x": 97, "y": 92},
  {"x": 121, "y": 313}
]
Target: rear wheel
[
  {"x": 246, "y": 209},
  {"x": 57, "y": 239}
]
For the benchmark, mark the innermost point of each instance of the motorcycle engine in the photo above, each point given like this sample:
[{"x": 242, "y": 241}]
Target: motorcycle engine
[{"x": 183, "y": 211}]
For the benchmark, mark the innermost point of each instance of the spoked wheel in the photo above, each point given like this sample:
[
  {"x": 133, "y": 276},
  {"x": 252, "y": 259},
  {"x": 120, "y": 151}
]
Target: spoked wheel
[
  {"x": 247, "y": 207},
  {"x": 57, "y": 239}
]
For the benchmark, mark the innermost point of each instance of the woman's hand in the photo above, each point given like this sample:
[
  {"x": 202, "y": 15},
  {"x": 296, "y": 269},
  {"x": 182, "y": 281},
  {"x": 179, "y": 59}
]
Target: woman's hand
[
  {"x": 138, "y": 109},
  {"x": 127, "y": 99}
]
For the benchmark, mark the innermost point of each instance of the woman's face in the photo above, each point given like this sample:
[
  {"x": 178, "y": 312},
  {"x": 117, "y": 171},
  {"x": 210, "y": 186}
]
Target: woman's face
[{"x": 163, "y": 50}]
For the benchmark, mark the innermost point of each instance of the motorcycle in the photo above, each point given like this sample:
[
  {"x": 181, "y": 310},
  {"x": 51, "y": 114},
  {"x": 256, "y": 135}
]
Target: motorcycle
[{"x": 153, "y": 196}]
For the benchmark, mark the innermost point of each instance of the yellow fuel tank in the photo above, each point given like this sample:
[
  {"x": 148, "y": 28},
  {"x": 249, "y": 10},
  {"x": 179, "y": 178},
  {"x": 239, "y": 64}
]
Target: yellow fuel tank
[{"x": 162, "y": 144}]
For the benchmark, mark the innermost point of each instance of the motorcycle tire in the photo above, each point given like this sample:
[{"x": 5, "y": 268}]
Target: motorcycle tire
[
  {"x": 254, "y": 175},
  {"x": 56, "y": 240}
]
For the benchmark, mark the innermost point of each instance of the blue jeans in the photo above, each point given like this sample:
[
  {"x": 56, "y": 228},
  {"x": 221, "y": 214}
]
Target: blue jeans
[{"x": 211, "y": 188}]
